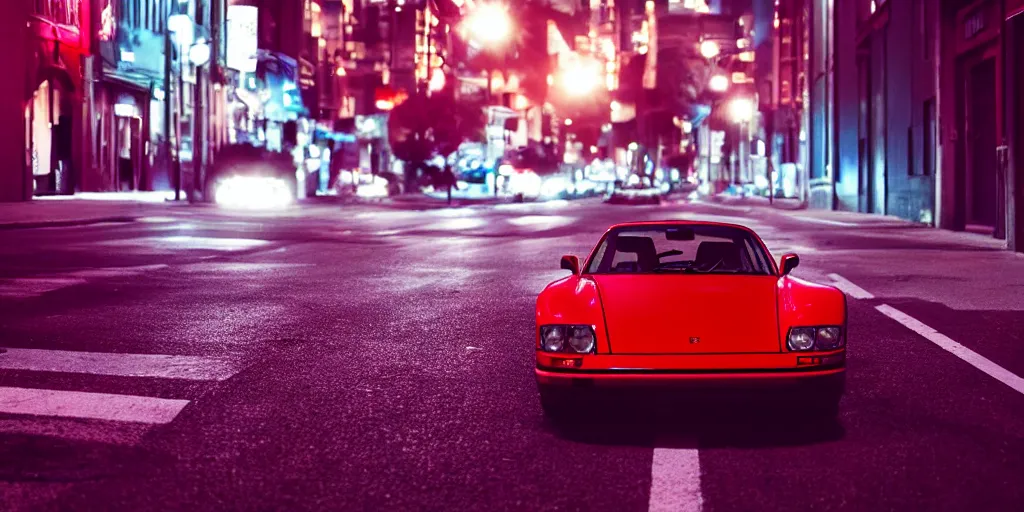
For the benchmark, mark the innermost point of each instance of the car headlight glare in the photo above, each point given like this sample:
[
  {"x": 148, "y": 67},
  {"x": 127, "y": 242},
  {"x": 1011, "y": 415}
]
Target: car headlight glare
[
  {"x": 553, "y": 338},
  {"x": 802, "y": 339},
  {"x": 581, "y": 339}
]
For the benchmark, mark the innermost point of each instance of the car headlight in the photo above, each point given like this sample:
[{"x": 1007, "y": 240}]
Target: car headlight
[
  {"x": 802, "y": 339},
  {"x": 829, "y": 338},
  {"x": 553, "y": 338},
  {"x": 581, "y": 338}
]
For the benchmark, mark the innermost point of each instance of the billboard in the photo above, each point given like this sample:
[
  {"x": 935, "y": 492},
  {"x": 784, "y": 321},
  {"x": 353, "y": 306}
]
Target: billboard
[{"x": 243, "y": 31}]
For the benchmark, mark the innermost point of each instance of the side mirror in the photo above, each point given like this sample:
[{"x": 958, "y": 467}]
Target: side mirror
[
  {"x": 571, "y": 263},
  {"x": 789, "y": 262}
]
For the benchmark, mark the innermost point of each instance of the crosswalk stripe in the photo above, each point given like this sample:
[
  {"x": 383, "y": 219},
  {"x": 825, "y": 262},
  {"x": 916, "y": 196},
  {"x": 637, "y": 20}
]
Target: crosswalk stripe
[
  {"x": 124, "y": 365},
  {"x": 78, "y": 404}
]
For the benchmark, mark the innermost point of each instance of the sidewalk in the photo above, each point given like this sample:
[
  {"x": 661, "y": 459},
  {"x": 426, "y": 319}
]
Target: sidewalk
[
  {"x": 736, "y": 200},
  {"x": 83, "y": 209},
  {"x": 795, "y": 207},
  {"x": 421, "y": 201}
]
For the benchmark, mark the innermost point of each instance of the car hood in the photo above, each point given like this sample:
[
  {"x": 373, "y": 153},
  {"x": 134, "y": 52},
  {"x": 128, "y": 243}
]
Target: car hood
[{"x": 690, "y": 314}]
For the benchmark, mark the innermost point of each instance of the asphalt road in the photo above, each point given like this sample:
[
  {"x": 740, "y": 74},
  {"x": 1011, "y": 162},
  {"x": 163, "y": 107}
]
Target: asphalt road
[{"x": 365, "y": 358}]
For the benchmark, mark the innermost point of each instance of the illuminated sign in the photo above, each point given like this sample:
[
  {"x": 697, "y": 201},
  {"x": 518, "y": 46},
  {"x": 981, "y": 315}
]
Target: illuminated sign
[
  {"x": 243, "y": 43},
  {"x": 124, "y": 110}
]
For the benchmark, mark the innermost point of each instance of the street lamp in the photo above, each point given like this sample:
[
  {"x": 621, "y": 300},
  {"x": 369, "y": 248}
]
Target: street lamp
[
  {"x": 710, "y": 49},
  {"x": 181, "y": 30},
  {"x": 581, "y": 76},
  {"x": 719, "y": 83},
  {"x": 741, "y": 110},
  {"x": 437, "y": 80},
  {"x": 490, "y": 24}
]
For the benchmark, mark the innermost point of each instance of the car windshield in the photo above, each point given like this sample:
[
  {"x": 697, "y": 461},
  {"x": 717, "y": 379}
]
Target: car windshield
[{"x": 692, "y": 249}]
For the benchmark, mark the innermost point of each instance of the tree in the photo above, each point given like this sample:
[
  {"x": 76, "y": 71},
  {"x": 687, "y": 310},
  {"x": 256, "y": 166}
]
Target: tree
[{"x": 423, "y": 127}]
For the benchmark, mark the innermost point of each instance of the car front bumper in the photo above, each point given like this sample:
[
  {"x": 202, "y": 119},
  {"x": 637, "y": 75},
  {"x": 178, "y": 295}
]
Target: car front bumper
[{"x": 747, "y": 372}]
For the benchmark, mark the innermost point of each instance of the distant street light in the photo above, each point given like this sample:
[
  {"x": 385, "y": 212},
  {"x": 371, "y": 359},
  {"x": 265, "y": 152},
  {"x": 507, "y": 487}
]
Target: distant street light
[
  {"x": 568, "y": 122},
  {"x": 579, "y": 76},
  {"x": 710, "y": 49},
  {"x": 490, "y": 23},
  {"x": 437, "y": 80},
  {"x": 183, "y": 29},
  {"x": 741, "y": 110},
  {"x": 199, "y": 53},
  {"x": 719, "y": 83}
]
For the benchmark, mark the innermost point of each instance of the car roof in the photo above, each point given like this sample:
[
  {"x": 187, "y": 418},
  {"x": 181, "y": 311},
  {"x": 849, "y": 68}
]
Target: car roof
[{"x": 657, "y": 223}]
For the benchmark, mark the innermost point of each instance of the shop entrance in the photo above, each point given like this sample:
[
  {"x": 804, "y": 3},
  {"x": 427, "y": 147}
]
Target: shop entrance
[
  {"x": 985, "y": 190},
  {"x": 128, "y": 145},
  {"x": 129, "y": 159},
  {"x": 48, "y": 136}
]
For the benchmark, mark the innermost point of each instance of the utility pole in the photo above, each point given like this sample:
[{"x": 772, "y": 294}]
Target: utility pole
[
  {"x": 181, "y": 112},
  {"x": 172, "y": 156},
  {"x": 769, "y": 123},
  {"x": 198, "y": 120}
]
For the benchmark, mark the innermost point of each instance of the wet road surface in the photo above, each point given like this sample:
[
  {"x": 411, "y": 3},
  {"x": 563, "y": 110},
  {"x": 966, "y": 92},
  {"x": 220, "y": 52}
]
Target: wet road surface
[{"x": 381, "y": 359}]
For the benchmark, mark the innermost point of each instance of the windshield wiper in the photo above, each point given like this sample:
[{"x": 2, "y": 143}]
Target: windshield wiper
[{"x": 667, "y": 270}]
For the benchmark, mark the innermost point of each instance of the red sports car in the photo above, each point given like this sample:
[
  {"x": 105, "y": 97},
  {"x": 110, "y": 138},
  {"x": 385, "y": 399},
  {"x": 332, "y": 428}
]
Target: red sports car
[{"x": 691, "y": 304}]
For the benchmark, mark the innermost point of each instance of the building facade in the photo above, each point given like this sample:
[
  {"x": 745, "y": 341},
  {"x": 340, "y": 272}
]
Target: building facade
[
  {"x": 1013, "y": 156},
  {"x": 925, "y": 85},
  {"x": 980, "y": 118},
  {"x": 98, "y": 91},
  {"x": 42, "y": 116}
]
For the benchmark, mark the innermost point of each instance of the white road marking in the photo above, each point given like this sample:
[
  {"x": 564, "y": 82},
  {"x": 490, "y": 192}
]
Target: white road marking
[
  {"x": 185, "y": 242},
  {"x": 849, "y": 288},
  {"x": 541, "y": 222},
  {"x": 824, "y": 221},
  {"x": 457, "y": 224},
  {"x": 123, "y": 365},
  {"x": 100, "y": 406},
  {"x": 969, "y": 356},
  {"x": 675, "y": 481}
]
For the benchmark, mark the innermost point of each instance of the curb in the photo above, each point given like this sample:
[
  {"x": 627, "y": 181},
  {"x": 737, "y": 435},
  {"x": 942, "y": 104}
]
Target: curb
[
  {"x": 64, "y": 223},
  {"x": 777, "y": 205}
]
